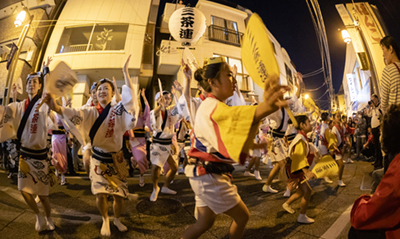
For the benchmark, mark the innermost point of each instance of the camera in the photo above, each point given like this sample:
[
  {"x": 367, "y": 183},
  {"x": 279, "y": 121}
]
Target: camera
[{"x": 369, "y": 102}]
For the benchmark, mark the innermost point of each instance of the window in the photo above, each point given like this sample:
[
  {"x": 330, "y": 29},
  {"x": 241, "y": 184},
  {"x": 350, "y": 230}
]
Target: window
[
  {"x": 289, "y": 76},
  {"x": 224, "y": 30},
  {"x": 96, "y": 37},
  {"x": 242, "y": 76}
]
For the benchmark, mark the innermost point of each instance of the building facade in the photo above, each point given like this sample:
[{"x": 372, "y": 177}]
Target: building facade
[
  {"x": 95, "y": 38},
  {"x": 226, "y": 24},
  {"x": 40, "y": 15},
  {"x": 364, "y": 62}
]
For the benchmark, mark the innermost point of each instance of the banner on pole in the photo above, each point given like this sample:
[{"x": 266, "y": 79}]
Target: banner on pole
[
  {"x": 258, "y": 54},
  {"x": 10, "y": 56},
  {"x": 326, "y": 166}
]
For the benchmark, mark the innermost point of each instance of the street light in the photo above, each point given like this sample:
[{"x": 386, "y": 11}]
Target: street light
[
  {"x": 306, "y": 96},
  {"x": 346, "y": 36},
  {"x": 20, "y": 19},
  {"x": 10, "y": 74}
]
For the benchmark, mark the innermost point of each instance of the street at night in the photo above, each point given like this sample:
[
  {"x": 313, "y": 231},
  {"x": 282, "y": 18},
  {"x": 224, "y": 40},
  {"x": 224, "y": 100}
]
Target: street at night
[
  {"x": 164, "y": 119},
  {"x": 76, "y": 216}
]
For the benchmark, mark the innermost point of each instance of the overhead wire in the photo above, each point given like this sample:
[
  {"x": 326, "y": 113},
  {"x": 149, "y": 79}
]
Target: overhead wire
[
  {"x": 319, "y": 27},
  {"x": 308, "y": 90}
]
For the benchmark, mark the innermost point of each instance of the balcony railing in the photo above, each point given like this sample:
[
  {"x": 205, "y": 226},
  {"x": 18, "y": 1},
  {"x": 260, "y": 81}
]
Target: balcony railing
[
  {"x": 220, "y": 34},
  {"x": 77, "y": 48}
]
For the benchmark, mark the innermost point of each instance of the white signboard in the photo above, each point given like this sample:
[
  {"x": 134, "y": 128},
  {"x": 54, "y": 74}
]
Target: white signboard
[{"x": 352, "y": 87}]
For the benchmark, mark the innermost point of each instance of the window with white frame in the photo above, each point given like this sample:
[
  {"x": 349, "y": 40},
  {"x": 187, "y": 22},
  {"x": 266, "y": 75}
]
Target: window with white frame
[
  {"x": 93, "y": 37},
  {"x": 242, "y": 77}
]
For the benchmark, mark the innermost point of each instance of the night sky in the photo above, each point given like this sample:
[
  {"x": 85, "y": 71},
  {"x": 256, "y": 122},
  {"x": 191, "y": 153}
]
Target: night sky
[{"x": 290, "y": 23}]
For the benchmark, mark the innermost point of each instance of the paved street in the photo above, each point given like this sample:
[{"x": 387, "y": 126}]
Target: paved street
[{"x": 76, "y": 216}]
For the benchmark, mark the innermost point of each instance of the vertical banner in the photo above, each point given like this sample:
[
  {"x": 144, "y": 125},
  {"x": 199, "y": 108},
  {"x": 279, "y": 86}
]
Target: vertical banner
[
  {"x": 352, "y": 87},
  {"x": 326, "y": 166},
  {"x": 258, "y": 55},
  {"x": 10, "y": 56},
  {"x": 257, "y": 52},
  {"x": 358, "y": 48}
]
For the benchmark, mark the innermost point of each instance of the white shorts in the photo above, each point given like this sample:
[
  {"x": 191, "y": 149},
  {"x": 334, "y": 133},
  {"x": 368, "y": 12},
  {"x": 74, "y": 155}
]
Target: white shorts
[
  {"x": 215, "y": 191},
  {"x": 279, "y": 152},
  {"x": 255, "y": 153},
  {"x": 159, "y": 154}
]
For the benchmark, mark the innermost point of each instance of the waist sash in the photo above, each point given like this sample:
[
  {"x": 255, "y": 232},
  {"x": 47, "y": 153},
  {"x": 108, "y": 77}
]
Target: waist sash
[{"x": 35, "y": 154}]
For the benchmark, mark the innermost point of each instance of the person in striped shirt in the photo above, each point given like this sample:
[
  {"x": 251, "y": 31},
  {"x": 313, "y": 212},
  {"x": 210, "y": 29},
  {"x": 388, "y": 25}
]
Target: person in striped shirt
[{"x": 390, "y": 82}]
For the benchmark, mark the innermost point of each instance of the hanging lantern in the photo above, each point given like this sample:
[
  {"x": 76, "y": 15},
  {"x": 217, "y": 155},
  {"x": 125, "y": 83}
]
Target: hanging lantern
[{"x": 187, "y": 25}]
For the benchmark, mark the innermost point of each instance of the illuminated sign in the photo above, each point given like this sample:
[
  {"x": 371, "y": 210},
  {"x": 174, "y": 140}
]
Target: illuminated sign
[{"x": 352, "y": 87}]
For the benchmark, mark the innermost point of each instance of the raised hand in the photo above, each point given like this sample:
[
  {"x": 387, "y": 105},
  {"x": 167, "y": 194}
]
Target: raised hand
[
  {"x": 143, "y": 93},
  {"x": 51, "y": 102},
  {"x": 126, "y": 66},
  {"x": 273, "y": 93},
  {"x": 234, "y": 71},
  {"x": 161, "y": 101},
  {"x": 49, "y": 59},
  {"x": 178, "y": 86},
  {"x": 173, "y": 91},
  {"x": 68, "y": 103},
  {"x": 186, "y": 70},
  {"x": 14, "y": 91}
]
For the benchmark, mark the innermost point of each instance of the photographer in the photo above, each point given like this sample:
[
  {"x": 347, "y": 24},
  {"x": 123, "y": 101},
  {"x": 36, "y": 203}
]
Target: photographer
[{"x": 376, "y": 113}]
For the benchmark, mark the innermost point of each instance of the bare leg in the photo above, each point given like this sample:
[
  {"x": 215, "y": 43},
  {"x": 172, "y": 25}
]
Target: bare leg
[
  {"x": 299, "y": 193},
  {"x": 251, "y": 163},
  {"x": 274, "y": 171},
  {"x": 30, "y": 201},
  {"x": 117, "y": 206},
  {"x": 155, "y": 174},
  {"x": 257, "y": 163},
  {"x": 102, "y": 205},
  {"x": 40, "y": 220},
  {"x": 341, "y": 168},
  {"x": 306, "y": 198},
  {"x": 171, "y": 173},
  {"x": 46, "y": 205},
  {"x": 206, "y": 218},
  {"x": 240, "y": 215}
]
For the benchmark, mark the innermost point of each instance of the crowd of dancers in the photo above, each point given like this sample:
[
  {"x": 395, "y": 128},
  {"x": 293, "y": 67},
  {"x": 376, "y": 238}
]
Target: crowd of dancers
[{"x": 210, "y": 133}]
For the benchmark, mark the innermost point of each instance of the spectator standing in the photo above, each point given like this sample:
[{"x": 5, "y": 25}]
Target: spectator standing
[
  {"x": 379, "y": 216},
  {"x": 362, "y": 132},
  {"x": 390, "y": 82},
  {"x": 376, "y": 114}
]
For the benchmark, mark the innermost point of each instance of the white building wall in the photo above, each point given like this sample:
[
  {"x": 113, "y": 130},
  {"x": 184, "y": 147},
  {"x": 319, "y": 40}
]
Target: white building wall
[
  {"x": 78, "y": 12},
  {"x": 170, "y": 56}
]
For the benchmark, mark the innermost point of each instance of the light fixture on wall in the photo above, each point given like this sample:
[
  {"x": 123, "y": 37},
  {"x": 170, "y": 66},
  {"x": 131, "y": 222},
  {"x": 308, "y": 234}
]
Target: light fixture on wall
[
  {"x": 346, "y": 36},
  {"x": 20, "y": 18}
]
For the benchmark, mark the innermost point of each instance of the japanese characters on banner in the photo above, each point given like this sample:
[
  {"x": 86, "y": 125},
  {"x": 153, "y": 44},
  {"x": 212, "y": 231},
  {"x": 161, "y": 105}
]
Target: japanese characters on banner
[
  {"x": 257, "y": 52},
  {"x": 325, "y": 166},
  {"x": 258, "y": 55},
  {"x": 187, "y": 25},
  {"x": 352, "y": 87}
]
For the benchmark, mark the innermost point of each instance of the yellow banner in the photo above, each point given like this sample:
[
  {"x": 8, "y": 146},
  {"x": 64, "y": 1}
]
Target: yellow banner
[
  {"x": 326, "y": 166},
  {"x": 258, "y": 53}
]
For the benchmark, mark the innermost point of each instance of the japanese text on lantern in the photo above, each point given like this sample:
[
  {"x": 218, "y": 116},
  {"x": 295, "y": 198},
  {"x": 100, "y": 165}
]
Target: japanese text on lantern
[
  {"x": 187, "y": 21},
  {"x": 262, "y": 70}
]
